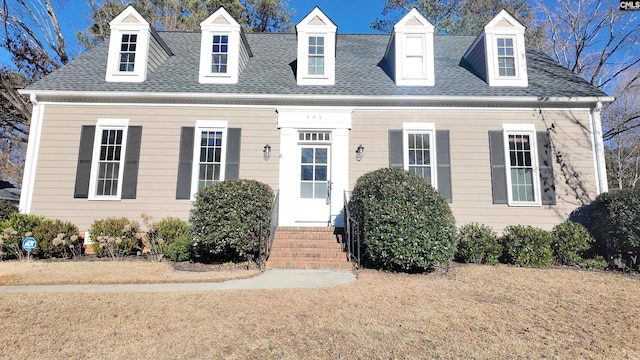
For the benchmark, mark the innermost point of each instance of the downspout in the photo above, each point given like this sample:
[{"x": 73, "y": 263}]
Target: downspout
[
  {"x": 601, "y": 168},
  {"x": 31, "y": 160}
]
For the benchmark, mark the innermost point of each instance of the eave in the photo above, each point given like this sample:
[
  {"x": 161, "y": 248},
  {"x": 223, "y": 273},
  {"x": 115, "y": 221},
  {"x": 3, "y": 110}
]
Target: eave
[{"x": 311, "y": 100}]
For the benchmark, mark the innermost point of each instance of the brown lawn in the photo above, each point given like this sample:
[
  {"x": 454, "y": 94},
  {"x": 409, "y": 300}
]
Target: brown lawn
[{"x": 472, "y": 312}]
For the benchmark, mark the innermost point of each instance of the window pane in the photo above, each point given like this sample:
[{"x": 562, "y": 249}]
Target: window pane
[
  {"x": 321, "y": 156},
  {"x": 321, "y": 173},
  {"x": 306, "y": 190},
  {"x": 306, "y": 172},
  {"x": 320, "y": 190},
  {"x": 307, "y": 155}
]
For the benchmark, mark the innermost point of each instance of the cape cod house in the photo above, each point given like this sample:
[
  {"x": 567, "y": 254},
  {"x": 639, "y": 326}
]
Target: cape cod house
[{"x": 139, "y": 123}]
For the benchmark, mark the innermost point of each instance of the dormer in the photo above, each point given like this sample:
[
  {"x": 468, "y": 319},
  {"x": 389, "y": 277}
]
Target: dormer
[
  {"x": 131, "y": 42},
  {"x": 498, "y": 53},
  {"x": 316, "y": 62},
  {"x": 410, "y": 52},
  {"x": 224, "y": 50}
]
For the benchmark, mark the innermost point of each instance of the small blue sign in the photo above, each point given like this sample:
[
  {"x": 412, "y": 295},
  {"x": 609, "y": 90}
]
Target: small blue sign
[{"x": 29, "y": 244}]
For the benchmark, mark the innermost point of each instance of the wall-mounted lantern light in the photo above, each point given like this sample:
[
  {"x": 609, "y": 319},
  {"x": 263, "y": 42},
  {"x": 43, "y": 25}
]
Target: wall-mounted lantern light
[
  {"x": 266, "y": 152},
  {"x": 359, "y": 152}
]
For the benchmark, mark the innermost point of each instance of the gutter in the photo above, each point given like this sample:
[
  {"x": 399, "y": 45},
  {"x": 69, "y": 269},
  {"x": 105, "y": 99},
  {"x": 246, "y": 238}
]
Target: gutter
[{"x": 280, "y": 98}]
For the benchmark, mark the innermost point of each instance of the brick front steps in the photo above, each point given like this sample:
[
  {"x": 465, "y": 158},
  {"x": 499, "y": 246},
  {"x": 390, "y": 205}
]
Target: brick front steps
[{"x": 307, "y": 248}]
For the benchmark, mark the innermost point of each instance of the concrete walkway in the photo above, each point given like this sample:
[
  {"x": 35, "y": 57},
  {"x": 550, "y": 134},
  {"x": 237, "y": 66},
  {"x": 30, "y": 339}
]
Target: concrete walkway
[{"x": 271, "y": 279}]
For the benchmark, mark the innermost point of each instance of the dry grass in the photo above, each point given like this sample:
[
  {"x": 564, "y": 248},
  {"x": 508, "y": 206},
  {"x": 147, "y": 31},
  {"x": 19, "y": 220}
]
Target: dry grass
[
  {"x": 109, "y": 272},
  {"x": 473, "y": 312}
]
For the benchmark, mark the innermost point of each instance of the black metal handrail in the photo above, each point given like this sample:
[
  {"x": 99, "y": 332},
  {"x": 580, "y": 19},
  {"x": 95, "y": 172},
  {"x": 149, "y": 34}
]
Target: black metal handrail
[
  {"x": 351, "y": 233},
  {"x": 268, "y": 232}
]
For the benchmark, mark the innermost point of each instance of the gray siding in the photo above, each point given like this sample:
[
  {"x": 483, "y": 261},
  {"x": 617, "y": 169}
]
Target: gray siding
[
  {"x": 157, "y": 55},
  {"x": 470, "y": 165},
  {"x": 159, "y": 158}
]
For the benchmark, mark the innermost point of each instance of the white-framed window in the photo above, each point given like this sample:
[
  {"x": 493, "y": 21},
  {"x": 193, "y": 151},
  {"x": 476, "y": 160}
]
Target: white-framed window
[
  {"x": 316, "y": 55},
  {"x": 107, "y": 167},
  {"x": 219, "y": 53},
  {"x": 128, "y": 45},
  {"x": 414, "y": 56},
  {"x": 521, "y": 161},
  {"x": 209, "y": 153},
  {"x": 506, "y": 60},
  {"x": 419, "y": 148}
]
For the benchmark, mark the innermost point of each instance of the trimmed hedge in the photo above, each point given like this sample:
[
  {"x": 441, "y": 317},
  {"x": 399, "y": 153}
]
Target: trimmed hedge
[
  {"x": 226, "y": 219},
  {"x": 14, "y": 230},
  {"x": 527, "y": 246},
  {"x": 615, "y": 222},
  {"x": 569, "y": 242},
  {"x": 406, "y": 224},
  {"x": 169, "y": 238},
  {"x": 56, "y": 239},
  {"x": 478, "y": 244},
  {"x": 115, "y": 237}
]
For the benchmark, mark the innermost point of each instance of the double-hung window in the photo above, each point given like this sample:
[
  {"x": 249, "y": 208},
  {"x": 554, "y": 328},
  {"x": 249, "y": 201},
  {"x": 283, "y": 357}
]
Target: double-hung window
[
  {"x": 420, "y": 151},
  {"x": 108, "y": 166},
  {"x": 128, "y": 52},
  {"x": 219, "y": 54},
  {"x": 414, "y": 57},
  {"x": 521, "y": 161},
  {"x": 316, "y": 55},
  {"x": 506, "y": 57},
  {"x": 209, "y": 153}
]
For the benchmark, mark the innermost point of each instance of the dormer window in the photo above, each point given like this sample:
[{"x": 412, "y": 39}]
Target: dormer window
[
  {"x": 128, "y": 52},
  {"x": 506, "y": 57},
  {"x": 316, "y": 62},
  {"x": 219, "y": 54},
  {"x": 316, "y": 55},
  {"x": 224, "y": 50},
  {"x": 410, "y": 52},
  {"x": 498, "y": 54}
]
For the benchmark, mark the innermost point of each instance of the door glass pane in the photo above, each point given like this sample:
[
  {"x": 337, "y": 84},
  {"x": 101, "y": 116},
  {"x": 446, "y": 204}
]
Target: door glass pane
[
  {"x": 306, "y": 190},
  {"x": 321, "y": 173},
  {"x": 321, "y": 191},
  {"x": 321, "y": 156},
  {"x": 306, "y": 172},
  {"x": 307, "y": 156}
]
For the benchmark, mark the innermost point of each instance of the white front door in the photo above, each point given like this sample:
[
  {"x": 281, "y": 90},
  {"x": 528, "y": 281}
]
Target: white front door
[{"x": 313, "y": 203}]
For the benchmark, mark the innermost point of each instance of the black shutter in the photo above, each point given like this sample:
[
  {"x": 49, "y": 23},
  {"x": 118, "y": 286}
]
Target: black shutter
[
  {"x": 232, "y": 169},
  {"x": 395, "y": 149},
  {"x": 85, "y": 154},
  {"x": 185, "y": 163},
  {"x": 545, "y": 162},
  {"x": 443, "y": 162},
  {"x": 131, "y": 162},
  {"x": 498, "y": 170}
]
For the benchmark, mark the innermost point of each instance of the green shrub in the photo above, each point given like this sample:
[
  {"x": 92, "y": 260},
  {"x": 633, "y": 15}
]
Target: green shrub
[
  {"x": 168, "y": 238},
  {"x": 614, "y": 221},
  {"x": 598, "y": 263},
  {"x": 226, "y": 219},
  {"x": 115, "y": 237},
  {"x": 6, "y": 209},
  {"x": 478, "y": 244},
  {"x": 527, "y": 246},
  {"x": 406, "y": 225},
  {"x": 569, "y": 241},
  {"x": 56, "y": 239},
  {"x": 14, "y": 230}
]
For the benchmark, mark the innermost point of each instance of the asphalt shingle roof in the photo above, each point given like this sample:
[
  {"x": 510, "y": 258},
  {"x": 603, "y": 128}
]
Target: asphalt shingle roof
[{"x": 360, "y": 70}]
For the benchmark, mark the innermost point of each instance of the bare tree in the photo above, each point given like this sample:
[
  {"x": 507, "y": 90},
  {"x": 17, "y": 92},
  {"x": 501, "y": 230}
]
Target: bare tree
[
  {"x": 170, "y": 15},
  {"x": 31, "y": 34},
  {"x": 461, "y": 17}
]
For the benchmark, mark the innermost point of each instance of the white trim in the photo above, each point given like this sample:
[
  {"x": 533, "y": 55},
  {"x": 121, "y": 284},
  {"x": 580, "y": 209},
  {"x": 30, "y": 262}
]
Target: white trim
[
  {"x": 421, "y": 128},
  {"x": 602, "y": 184},
  {"x": 31, "y": 159},
  {"x": 314, "y": 117},
  {"x": 203, "y": 125},
  {"x": 522, "y": 129},
  {"x": 107, "y": 124}
]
